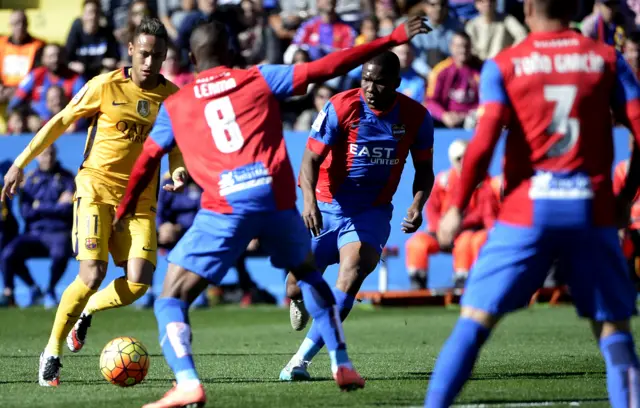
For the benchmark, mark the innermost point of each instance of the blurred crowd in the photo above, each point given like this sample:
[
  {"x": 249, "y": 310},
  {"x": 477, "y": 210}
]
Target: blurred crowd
[{"x": 440, "y": 70}]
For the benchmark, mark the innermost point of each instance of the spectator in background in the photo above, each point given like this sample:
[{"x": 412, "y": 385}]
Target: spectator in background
[
  {"x": 33, "y": 89},
  {"x": 283, "y": 18},
  {"x": 8, "y": 223},
  {"x": 56, "y": 100},
  {"x": 208, "y": 10},
  {"x": 173, "y": 70},
  {"x": 465, "y": 10},
  {"x": 17, "y": 122},
  {"x": 606, "y": 23},
  {"x": 173, "y": 12},
  {"x": 411, "y": 84},
  {"x": 433, "y": 48},
  {"x": 632, "y": 52},
  {"x": 321, "y": 95},
  {"x": 253, "y": 37},
  {"x": 138, "y": 9},
  {"x": 323, "y": 34},
  {"x": 46, "y": 204},
  {"x": 91, "y": 47},
  {"x": 422, "y": 244},
  {"x": 452, "y": 91},
  {"x": 492, "y": 32},
  {"x": 19, "y": 53},
  {"x": 368, "y": 31}
]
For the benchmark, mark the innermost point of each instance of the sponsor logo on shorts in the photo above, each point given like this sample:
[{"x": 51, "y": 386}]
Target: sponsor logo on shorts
[
  {"x": 147, "y": 249},
  {"x": 153, "y": 209},
  {"x": 91, "y": 243}
]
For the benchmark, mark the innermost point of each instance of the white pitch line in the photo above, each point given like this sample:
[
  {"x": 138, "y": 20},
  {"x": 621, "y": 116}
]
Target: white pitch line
[{"x": 516, "y": 404}]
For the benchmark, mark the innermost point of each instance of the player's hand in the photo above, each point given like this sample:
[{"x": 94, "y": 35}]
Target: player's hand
[
  {"x": 179, "y": 178},
  {"x": 118, "y": 224},
  {"x": 66, "y": 198},
  {"x": 412, "y": 221},
  {"x": 312, "y": 218},
  {"x": 449, "y": 227},
  {"x": 413, "y": 26},
  {"x": 12, "y": 180}
]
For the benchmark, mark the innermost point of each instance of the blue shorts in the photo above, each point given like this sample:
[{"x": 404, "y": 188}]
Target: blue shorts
[
  {"x": 515, "y": 261},
  {"x": 214, "y": 242},
  {"x": 371, "y": 226}
]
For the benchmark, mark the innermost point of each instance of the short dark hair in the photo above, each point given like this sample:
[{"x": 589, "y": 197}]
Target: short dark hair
[
  {"x": 389, "y": 62},
  {"x": 557, "y": 10},
  {"x": 151, "y": 26},
  {"x": 94, "y": 2},
  {"x": 634, "y": 37},
  {"x": 463, "y": 34},
  {"x": 208, "y": 39}
]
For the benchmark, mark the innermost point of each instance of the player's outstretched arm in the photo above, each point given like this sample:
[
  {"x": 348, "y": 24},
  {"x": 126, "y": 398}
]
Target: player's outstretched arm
[
  {"x": 341, "y": 62},
  {"x": 85, "y": 103}
]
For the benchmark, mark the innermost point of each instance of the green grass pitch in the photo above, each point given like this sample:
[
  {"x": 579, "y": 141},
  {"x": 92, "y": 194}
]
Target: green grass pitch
[{"x": 543, "y": 355}]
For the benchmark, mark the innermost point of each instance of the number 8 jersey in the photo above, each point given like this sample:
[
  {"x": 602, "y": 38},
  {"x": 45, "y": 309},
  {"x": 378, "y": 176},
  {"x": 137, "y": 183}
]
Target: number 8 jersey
[
  {"x": 227, "y": 124},
  {"x": 555, "y": 90}
]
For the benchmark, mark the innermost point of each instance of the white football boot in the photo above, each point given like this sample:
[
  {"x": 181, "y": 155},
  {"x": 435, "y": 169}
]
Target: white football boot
[{"x": 298, "y": 314}]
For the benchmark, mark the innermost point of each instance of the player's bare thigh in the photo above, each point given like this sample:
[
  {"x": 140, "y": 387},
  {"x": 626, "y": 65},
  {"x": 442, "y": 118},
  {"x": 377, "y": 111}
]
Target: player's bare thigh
[
  {"x": 357, "y": 261},
  {"x": 182, "y": 284}
]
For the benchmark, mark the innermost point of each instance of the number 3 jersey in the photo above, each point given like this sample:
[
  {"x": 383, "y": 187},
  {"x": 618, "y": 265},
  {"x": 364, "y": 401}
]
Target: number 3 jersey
[
  {"x": 227, "y": 125},
  {"x": 556, "y": 90}
]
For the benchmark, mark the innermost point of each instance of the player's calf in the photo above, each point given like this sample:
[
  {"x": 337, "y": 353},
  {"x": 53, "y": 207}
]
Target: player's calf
[{"x": 92, "y": 273}]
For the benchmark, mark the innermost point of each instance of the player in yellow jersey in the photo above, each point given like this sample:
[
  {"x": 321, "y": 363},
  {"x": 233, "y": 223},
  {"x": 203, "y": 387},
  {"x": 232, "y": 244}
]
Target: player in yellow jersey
[{"x": 122, "y": 106}]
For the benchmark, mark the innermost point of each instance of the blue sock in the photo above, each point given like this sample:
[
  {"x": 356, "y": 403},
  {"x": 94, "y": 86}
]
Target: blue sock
[
  {"x": 313, "y": 343},
  {"x": 321, "y": 305},
  {"x": 456, "y": 360},
  {"x": 622, "y": 369},
  {"x": 175, "y": 339}
]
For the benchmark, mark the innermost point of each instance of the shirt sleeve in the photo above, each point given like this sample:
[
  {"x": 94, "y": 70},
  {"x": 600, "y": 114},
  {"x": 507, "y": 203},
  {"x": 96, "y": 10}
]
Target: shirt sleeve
[
  {"x": 492, "y": 88},
  {"x": 162, "y": 131},
  {"x": 85, "y": 103},
  {"x": 280, "y": 79},
  {"x": 422, "y": 148},
  {"x": 325, "y": 131}
]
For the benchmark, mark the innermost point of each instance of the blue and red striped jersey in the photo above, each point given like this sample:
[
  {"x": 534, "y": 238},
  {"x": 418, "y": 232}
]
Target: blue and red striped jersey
[{"x": 365, "y": 150}]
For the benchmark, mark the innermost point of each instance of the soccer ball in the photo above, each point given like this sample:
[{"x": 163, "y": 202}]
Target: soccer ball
[{"x": 124, "y": 361}]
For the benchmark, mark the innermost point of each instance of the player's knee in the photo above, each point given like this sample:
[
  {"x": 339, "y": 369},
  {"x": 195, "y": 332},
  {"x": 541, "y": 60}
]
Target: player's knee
[
  {"x": 140, "y": 271},
  {"x": 92, "y": 272},
  {"x": 479, "y": 316},
  {"x": 182, "y": 284},
  {"x": 606, "y": 329}
]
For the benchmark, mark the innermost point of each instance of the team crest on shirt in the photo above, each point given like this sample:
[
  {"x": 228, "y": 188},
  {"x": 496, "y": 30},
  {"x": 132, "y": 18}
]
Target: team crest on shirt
[
  {"x": 143, "y": 108},
  {"x": 91, "y": 243},
  {"x": 398, "y": 130}
]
